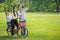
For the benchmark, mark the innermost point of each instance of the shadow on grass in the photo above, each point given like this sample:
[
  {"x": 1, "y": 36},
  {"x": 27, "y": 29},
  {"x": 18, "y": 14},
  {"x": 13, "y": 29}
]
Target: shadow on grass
[{"x": 7, "y": 38}]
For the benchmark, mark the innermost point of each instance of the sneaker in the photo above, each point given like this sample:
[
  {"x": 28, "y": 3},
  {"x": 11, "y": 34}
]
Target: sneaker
[
  {"x": 12, "y": 36},
  {"x": 8, "y": 29}
]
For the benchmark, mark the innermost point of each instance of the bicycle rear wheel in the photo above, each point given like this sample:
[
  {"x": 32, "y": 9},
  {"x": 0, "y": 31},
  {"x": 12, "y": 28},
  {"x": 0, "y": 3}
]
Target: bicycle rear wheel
[
  {"x": 26, "y": 32},
  {"x": 20, "y": 32}
]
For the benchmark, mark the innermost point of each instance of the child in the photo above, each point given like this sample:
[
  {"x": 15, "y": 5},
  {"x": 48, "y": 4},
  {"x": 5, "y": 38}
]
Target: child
[
  {"x": 22, "y": 17},
  {"x": 14, "y": 21},
  {"x": 8, "y": 18}
]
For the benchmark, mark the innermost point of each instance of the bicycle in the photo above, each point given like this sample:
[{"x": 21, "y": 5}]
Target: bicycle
[{"x": 17, "y": 31}]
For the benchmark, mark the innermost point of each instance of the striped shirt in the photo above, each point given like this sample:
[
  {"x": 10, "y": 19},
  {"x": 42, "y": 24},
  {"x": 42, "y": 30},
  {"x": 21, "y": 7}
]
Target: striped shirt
[{"x": 21, "y": 15}]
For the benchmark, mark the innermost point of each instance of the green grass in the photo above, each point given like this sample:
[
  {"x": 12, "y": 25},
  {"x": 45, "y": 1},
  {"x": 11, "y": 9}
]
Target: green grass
[{"x": 44, "y": 26}]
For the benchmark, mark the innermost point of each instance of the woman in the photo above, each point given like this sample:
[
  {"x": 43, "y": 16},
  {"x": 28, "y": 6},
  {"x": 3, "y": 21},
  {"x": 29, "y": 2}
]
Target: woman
[{"x": 14, "y": 21}]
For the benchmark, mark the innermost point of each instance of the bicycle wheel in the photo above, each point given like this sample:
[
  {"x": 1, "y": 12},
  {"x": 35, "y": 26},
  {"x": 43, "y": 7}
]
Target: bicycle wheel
[
  {"x": 25, "y": 32},
  {"x": 20, "y": 32}
]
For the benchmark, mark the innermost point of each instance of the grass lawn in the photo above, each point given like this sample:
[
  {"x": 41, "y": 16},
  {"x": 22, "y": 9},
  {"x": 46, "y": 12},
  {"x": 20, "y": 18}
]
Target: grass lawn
[{"x": 41, "y": 26}]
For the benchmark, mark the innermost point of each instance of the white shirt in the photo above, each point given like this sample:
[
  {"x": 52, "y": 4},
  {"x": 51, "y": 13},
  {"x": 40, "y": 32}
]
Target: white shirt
[
  {"x": 8, "y": 18},
  {"x": 21, "y": 15},
  {"x": 14, "y": 17}
]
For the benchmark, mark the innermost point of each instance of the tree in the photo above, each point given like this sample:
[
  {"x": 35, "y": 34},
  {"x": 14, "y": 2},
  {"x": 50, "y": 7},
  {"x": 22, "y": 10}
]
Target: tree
[
  {"x": 2, "y": 1},
  {"x": 57, "y": 5}
]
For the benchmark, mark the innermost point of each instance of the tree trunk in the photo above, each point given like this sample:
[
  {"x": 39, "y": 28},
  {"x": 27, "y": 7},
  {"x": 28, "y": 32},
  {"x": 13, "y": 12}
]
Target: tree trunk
[{"x": 57, "y": 5}]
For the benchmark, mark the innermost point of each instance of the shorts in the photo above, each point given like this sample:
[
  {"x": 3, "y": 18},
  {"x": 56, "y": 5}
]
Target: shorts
[
  {"x": 9, "y": 24},
  {"x": 14, "y": 23},
  {"x": 22, "y": 23}
]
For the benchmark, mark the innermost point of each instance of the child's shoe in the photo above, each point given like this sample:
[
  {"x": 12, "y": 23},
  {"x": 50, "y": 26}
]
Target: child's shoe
[{"x": 12, "y": 36}]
